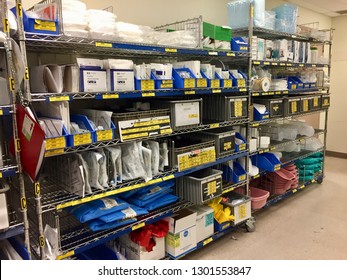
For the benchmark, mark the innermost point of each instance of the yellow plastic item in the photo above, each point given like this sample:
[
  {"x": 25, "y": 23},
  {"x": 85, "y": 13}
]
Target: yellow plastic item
[{"x": 221, "y": 214}]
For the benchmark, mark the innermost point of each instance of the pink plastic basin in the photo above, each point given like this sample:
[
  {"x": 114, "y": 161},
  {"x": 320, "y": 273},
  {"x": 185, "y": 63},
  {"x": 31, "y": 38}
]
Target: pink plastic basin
[{"x": 258, "y": 197}]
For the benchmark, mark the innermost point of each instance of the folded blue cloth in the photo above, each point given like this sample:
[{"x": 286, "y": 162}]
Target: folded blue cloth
[
  {"x": 97, "y": 208},
  {"x": 96, "y": 225},
  {"x": 165, "y": 200},
  {"x": 127, "y": 194},
  {"x": 131, "y": 212},
  {"x": 144, "y": 201}
]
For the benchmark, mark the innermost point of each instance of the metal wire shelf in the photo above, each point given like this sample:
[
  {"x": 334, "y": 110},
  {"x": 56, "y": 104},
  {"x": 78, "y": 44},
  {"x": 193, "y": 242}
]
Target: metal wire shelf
[
  {"x": 76, "y": 237},
  {"x": 289, "y": 91},
  {"x": 67, "y": 44},
  {"x": 272, "y": 34},
  {"x": 257, "y": 123},
  {"x": 288, "y": 158},
  {"x": 15, "y": 227},
  {"x": 104, "y": 144},
  {"x": 275, "y": 145}
]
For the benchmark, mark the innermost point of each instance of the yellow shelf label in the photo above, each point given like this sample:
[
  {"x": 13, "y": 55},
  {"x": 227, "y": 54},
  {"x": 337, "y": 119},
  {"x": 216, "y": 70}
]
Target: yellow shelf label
[
  {"x": 207, "y": 241},
  {"x": 274, "y": 63},
  {"x": 82, "y": 139},
  {"x": 110, "y": 96},
  {"x": 0, "y": 175},
  {"x": 282, "y": 64},
  {"x": 285, "y": 92},
  {"x": 166, "y": 131},
  {"x": 289, "y": 64},
  {"x": 215, "y": 125},
  {"x": 277, "y": 92},
  {"x": 137, "y": 135},
  {"x": 216, "y": 91},
  {"x": 242, "y": 177},
  {"x": 301, "y": 65},
  {"x": 103, "y": 135},
  {"x": 189, "y": 83},
  {"x": 201, "y": 83},
  {"x": 255, "y": 124},
  {"x": 256, "y": 62},
  {"x": 215, "y": 83},
  {"x": 277, "y": 167},
  {"x": 255, "y": 94},
  {"x": 54, "y": 152},
  {"x": 140, "y": 225},
  {"x": 228, "y": 190},
  {"x": 212, "y": 53},
  {"x": 294, "y": 191},
  {"x": 148, "y": 94},
  {"x": 68, "y": 254},
  {"x": 271, "y": 93},
  {"x": 228, "y": 83},
  {"x": 266, "y": 63},
  {"x": 169, "y": 177},
  {"x": 59, "y": 98},
  {"x": 170, "y": 50},
  {"x": 230, "y": 54},
  {"x": 301, "y": 187},
  {"x": 313, "y": 181},
  {"x": 243, "y": 89},
  {"x": 265, "y": 93},
  {"x": 272, "y": 148},
  {"x": 314, "y": 65},
  {"x": 187, "y": 92},
  {"x": 147, "y": 84},
  {"x": 1, "y": 112},
  {"x": 103, "y": 44},
  {"x": 55, "y": 143},
  {"x": 243, "y": 211},
  {"x": 256, "y": 176},
  {"x": 45, "y": 25}
]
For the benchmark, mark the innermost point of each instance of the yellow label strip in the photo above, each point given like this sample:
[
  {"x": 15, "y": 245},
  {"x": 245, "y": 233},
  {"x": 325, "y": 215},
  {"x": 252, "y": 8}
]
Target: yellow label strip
[
  {"x": 103, "y": 45},
  {"x": 59, "y": 98},
  {"x": 207, "y": 241},
  {"x": 110, "y": 96},
  {"x": 170, "y": 50},
  {"x": 140, "y": 225},
  {"x": 68, "y": 254}
]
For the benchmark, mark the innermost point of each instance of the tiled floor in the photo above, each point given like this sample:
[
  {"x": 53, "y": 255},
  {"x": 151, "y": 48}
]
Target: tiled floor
[{"x": 312, "y": 224}]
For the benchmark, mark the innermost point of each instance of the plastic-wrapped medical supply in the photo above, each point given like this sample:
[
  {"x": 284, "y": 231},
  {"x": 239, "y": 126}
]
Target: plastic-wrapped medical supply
[
  {"x": 132, "y": 162},
  {"x": 74, "y": 18},
  {"x": 154, "y": 146},
  {"x": 286, "y": 18},
  {"x": 51, "y": 246},
  {"x": 238, "y": 13},
  {"x": 84, "y": 165},
  {"x": 101, "y": 24},
  {"x": 94, "y": 159},
  {"x": 164, "y": 156},
  {"x": 270, "y": 20},
  {"x": 180, "y": 38},
  {"x": 128, "y": 32},
  {"x": 147, "y": 162},
  {"x": 114, "y": 164}
]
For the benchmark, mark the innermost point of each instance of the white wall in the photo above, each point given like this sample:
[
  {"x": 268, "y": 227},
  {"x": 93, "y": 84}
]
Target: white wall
[{"x": 337, "y": 127}]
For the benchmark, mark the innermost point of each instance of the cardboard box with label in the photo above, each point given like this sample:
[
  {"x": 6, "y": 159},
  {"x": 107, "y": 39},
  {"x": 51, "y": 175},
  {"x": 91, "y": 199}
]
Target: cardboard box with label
[
  {"x": 136, "y": 252},
  {"x": 204, "y": 221},
  {"x": 120, "y": 79},
  {"x": 181, "y": 237}
]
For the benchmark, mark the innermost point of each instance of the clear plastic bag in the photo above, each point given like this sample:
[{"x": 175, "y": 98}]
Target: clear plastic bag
[
  {"x": 154, "y": 146},
  {"x": 132, "y": 167},
  {"x": 91, "y": 159}
]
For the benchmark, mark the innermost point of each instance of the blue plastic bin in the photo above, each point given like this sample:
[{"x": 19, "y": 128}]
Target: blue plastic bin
[
  {"x": 295, "y": 83},
  {"x": 220, "y": 227},
  {"x": 257, "y": 116},
  {"x": 225, "y": 83},
  {"x": 39, "y": 26},
  {"x": 182, "y": 82},
  {"x": 101, "y": 252},
  {"x": 240, "y": 83},
  {"x": 147, "y": 84},
  {"x": 235, "y": 175},
  {"x": 241, "y": 147},
  {"x": 81, "y": 138},
  {"x": 238, "y": 44},
  {"x": 266, "y": 161},
  {"x": 162, "y": 84}
]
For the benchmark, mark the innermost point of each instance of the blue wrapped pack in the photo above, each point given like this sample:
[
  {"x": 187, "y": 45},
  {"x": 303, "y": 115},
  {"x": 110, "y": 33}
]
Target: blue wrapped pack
[
  {"x": 131, "y": 212},
  {"x": 139, "y": 201},
  {"x": 128, "y": 194},
  {"x": 96, "y": 225},
  {"x": 163, "y": 201},
  {"x": 98, "y": 208}
]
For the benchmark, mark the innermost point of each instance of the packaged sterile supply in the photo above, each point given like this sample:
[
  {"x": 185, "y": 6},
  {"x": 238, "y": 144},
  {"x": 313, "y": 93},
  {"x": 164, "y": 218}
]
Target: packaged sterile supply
[
  {"x": 92, "y": 75},
  {"x": 94, "y": 161},
  {"x": 97, "y": 208},
  {"x": 164, "y": 156},
  {"x": 238, "y": 13},
  {"x": 114, "y": 164},
  {"x": 155, "y": 160},
  {"x": 132, "y": 162},
  {"x": 120, "y": 74}
]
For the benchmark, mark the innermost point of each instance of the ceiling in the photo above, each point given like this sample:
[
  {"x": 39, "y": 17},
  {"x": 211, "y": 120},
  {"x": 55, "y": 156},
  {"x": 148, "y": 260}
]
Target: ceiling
[{"x": 326, "y": 7}]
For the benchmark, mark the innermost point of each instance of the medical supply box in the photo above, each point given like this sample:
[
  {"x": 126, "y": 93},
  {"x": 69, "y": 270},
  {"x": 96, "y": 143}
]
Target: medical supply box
[{"x": 181, "y": 237}]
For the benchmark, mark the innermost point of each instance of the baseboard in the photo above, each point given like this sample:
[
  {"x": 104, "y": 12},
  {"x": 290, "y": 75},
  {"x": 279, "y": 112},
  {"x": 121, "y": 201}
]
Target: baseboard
[{"x": 336, "y": 154}]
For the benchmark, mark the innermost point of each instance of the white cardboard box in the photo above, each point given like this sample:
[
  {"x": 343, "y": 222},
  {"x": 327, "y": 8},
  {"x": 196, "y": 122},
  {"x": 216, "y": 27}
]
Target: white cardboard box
[
  {"x": 204, "y": 221},
  {"x": 136, "y": 252},
  {"x": 187, "y": 113},
  {"x": 92, "y": 80},
  {"x": 181, "y": 237},
  {"x": 122, "y": 80},
  {"x": 4, "y": 222}
]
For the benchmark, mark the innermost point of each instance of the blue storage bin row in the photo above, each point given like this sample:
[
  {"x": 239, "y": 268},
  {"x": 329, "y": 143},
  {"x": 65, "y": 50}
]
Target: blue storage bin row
[
  {"x": 235, "y": 175},
  {"x": 193, "y": 82},
  {"x": 72, "y": 140},
  {"x": 238, "y": 44},
  {"x": 240, "y": 147},
  {"x": 266, "y": 161}
]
